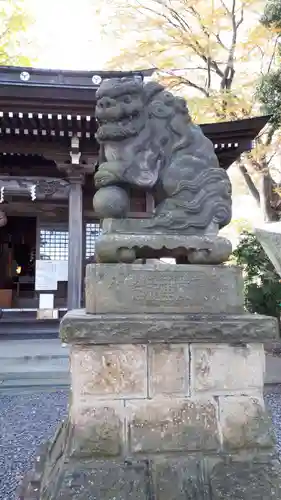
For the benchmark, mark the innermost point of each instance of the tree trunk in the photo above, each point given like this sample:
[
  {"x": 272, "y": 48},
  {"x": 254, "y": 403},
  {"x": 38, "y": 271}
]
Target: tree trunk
[
  {"x": 267, "y": 199},
  {"x": 266, "y": 192},
  {"x": 249, "y": 181}
]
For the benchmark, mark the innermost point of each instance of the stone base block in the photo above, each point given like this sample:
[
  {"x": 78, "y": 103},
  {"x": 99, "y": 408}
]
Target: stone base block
[
  {"x": 214, "y": 479},
  {"x": 123, "y": 372},
  {"x": 101, "y": 329},
  {"x": 159, "y": 425},
  {"x": 155, "y": 478},
  {"x": 224, "y": 369},
  {"x": 108, "y": 372},
  {"x": 136, "y": 288},
  {"x": 246, "y": 480},
  {"x": 112, "y": 428},
  {"x": 244, "y": 423},
  {"x": 123, "y": 244},
  {"x": 173, "y": 425}
]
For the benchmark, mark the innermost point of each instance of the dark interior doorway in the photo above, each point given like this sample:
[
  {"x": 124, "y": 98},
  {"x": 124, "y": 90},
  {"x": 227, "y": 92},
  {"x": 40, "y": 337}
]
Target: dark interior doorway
[{"x": 17, "y": 260}]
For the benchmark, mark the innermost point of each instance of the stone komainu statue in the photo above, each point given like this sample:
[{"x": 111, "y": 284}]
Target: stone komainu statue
[{"x": 149, "y": 142}]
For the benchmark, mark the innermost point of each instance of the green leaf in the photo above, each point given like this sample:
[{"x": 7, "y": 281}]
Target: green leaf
[{"x": 262, "y": 286}]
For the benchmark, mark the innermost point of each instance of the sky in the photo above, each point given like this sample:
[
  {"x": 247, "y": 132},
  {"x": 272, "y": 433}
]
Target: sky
[{"x": 69, "y": 35}]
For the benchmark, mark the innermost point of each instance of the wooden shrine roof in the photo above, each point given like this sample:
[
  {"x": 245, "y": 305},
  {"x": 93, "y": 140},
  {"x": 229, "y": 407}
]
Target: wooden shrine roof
[
  {"x": 42, "y": 107},
  {"x": 32, "y": 90}
]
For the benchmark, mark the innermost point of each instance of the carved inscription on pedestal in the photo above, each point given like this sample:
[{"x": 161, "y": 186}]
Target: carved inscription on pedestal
[
  {"x": 176, "y": 289},
  {"x": 169, "y": 289}
]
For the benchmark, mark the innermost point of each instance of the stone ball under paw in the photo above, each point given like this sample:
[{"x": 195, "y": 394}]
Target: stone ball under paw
[{"x": 111, "y": 201}]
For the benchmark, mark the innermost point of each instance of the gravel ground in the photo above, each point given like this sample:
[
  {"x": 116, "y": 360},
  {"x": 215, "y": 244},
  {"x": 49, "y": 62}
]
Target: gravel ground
[
  {"x": 26, "y": 420},
  {"x": 273, "y": 401}
]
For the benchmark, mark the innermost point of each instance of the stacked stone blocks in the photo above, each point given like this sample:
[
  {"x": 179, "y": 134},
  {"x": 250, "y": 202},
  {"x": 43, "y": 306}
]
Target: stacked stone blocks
[
  {"x": 166, "y": 397},
  {"x": 134, "y": 399}
]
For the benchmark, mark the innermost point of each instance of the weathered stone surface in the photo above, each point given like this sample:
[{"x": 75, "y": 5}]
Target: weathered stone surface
[
  {"x": 97, "y": 430},
  {"x": 270, "y": 238},
  {"x": 104, "y": 480},
  {"x": 172, "y": 425},
  {"x": 140, "y": 288},
  {"x": 79, "y": 327},
  {"x": 31, "y": 483},
  {"x": 53, "y": 462},
  {"x": 162, "y": 477},
  {"x": 109, "y": 372},
  {"x": 58, "y": 443},
  {"x": 246, "y": 480},
  {"x": 244, "y": 423},
  {"x": 224, "y": 368},
  {"x": 180, "y": 479},
  {"x": 117, "y": 201},
  {"x": 138, "y": 125},
  {"x": 168, "y": 370},
  {"x": 122, "y": 246}
]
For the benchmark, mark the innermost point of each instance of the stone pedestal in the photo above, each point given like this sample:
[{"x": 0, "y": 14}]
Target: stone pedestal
[
  {"x": 166, "y": 398},
  {"x": 270, "y": 238}
]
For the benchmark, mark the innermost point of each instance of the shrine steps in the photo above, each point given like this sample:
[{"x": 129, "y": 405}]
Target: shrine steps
[{"x": 23, "y": 324}]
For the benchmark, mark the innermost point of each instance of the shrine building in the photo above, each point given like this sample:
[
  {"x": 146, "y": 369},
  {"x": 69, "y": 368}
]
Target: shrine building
[{"x": 48, "y": 155}]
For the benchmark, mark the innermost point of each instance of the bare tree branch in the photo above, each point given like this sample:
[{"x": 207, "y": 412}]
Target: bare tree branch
[
  {"x": 182, "y": 80},
  {"x": 241, "y": 18},
  {"x": 204, "y": 28},
  {"x": 177, "y": 21},
  {"x": 196, "y": 68},
  {"x": 225, "y": 7},
  {"x": 277, "y": 41},
  {"x": 229, "y": 71},
  {"x": 270, "y": 135},
  {"x": 220, "y": 42},
  {"x": 270, "y": 158}
]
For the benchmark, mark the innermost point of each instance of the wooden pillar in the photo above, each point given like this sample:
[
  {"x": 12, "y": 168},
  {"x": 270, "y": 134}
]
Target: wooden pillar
[
  {"x": 83, "y": 260},
  {"x": 75, "y": 252}
]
